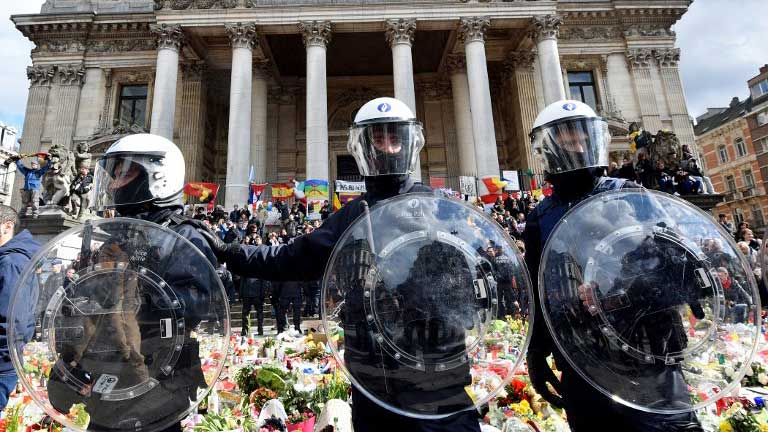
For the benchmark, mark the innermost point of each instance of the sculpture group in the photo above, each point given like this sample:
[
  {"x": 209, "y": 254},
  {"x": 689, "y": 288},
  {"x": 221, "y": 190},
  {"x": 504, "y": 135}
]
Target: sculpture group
[{"x": 68, "y": 182}]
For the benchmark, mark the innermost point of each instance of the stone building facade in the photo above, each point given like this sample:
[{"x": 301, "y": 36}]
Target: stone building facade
[
  {"x": 274, "y": 84},
  {"x": 733, "y": 141}
]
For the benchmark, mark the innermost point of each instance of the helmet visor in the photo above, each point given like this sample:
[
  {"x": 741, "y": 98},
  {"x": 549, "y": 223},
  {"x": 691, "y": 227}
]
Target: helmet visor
[
  {"x": 386, "y": 148},
  {"x": 122, "y": 180},
  {"x": 572, "y": 144}
]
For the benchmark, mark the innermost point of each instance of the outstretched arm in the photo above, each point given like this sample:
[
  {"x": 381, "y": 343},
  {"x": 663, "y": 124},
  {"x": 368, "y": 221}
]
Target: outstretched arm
[{"x": 304, "y": 258}]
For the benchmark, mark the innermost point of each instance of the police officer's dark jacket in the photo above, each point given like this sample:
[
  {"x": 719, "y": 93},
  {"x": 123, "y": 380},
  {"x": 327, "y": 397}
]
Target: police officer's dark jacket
[{"x": 305, "y": 258}]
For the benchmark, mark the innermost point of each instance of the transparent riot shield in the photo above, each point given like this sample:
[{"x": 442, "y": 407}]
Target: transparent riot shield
[
  {"x": 427, "y": 306},
  {"x": 650, "y": 301},
  {"x": 130, "y": 327}
]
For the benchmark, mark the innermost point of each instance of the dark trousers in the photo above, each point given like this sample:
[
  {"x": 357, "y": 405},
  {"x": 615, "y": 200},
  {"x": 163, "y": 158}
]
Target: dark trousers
[
  {"x": 256, "y": 303},
  {"x": 367, "y": 416},
  {"x": 285, "y": 302},
  {"x": 311, "y": 293}
]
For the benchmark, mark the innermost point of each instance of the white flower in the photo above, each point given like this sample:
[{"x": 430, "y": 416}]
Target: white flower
[
  {"x": 750, "y": 372},
  {"x": 763, "y": 378},
  {"x": 729, "y": 372}
]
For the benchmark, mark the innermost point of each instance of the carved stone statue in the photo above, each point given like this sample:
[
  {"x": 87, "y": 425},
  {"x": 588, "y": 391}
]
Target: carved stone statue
[
  {"x": 82, "y": 156},
  {"x": 58, "y": 179},
  {"x": 666, "y": 148}
]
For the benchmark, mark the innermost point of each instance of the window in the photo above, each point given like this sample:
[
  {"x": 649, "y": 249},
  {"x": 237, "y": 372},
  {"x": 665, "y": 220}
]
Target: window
[
  {"x": 741, "y": 149},
  {"x": 582, "y": 86},
  {"x": 760, "y": 89},
  {"x": 133, "y": 105},
  {"x": 738, "y": 216},
  {"x": 346, "y": 168},
  {"x": 749, "y": 180},
  {"x": 730, "y": 182},
  {"x": 757, "y": 215},
  {"x": 722, "y": 154},
  {"x": 762, "y": 145},
  {"x": 762, "y": 118},
  {"x": 4, "y": 187}
]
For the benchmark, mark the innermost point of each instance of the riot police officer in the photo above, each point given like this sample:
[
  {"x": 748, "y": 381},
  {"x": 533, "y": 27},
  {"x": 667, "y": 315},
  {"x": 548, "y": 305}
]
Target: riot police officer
[
  {"x": 142, "y": 177},
  {"x": 572, "y": 143},
  {"x": 385, "y": 140}
]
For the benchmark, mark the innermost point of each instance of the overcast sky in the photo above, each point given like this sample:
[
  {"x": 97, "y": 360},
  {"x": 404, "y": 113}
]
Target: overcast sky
[{"x": 723, "y": 43}]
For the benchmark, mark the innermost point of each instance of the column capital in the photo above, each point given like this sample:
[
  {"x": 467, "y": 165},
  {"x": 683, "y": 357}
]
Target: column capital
[
  {"x": 40, "y": 75},
  {"x": 667, "y": 57},
  {"x": 168, "y": 36},
  {"x": 519, "y": 60},
  {"x": 262, "y": 66},
  {"x": 400, "y": 31},
  {"x": 193, "y": 71},
  {"x": 435, "y": 90},
  {"x": 640, "y": 57},
  {"x": 456, "y": 64},
  {"x": 242, "y": 35},
  {"x": 315, "y": 33},
  {"x": 545, "y": 27},
  {"x": 473, "y": 29},
  {"x": 70, "y": 74}
]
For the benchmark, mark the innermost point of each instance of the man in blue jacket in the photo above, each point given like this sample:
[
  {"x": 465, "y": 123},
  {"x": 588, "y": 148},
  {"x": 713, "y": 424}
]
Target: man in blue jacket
[
  {"x": 30, "y": 193},
  {"x": 15, "y": 253}
]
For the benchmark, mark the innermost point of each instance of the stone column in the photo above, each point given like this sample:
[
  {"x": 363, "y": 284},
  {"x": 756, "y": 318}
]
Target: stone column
[
  {"x": 400, "y": 34},
  {"x": 316, "y": 35},
  {"x": 243, "y": 38},
  {"x": 40, "y": 78},
  {"x": 92, "y": 99},
  {"x": 544, "y": 31},
  {"x": 641, "y": 60},
  {"x": 465, "y": 140},
  {"x": 259, "y": 120},
  {"x": 192, "y": 115},
  {"x": 519, "y": 67},
  {"x": 472, "y": 33},
  {"x": 70, "y": 80},
  {"x": 668, "y": 60},
  {"x": 106, "y": 118},
  {"x": 169, "y": 40}
]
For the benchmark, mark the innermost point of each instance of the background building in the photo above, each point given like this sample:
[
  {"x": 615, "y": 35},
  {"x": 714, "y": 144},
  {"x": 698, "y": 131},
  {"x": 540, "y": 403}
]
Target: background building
[
  {"x": 9, "y": 146},
  {"x": 276, "y": 83},
  {"x": 733, "y": 141}
]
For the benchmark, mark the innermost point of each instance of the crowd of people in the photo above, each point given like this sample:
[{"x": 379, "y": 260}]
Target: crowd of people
[
  {"x": 675, "y": 174},
  {"x": 287, "y": 299}
]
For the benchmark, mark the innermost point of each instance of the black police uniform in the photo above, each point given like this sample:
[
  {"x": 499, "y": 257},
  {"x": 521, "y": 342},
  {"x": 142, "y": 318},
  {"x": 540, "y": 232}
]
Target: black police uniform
[
  {"x": 173, "y": 394},
  {"x": 585, "y": 405},
  {"x": 305, "y": 258},
  {"x": 253, "y": 291}
]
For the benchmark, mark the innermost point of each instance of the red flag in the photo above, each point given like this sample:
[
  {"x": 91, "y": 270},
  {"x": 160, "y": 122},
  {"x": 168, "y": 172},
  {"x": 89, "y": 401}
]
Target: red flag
[
  {"x": 204, "y": 192},
  {"x": 437, "y": 182}
]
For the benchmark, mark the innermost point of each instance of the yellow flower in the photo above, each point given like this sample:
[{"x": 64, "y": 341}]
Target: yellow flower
[
  {"x": 522, "y": 408},
  {"x": 725, "y": 426}
]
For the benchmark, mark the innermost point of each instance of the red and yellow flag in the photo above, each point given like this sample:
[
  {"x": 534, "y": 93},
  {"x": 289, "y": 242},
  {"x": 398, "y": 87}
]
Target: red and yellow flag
[
  {"x": 282, "y": 191},
  {"x": 204, "y": 192},
  {"x": 336, "y": 202},
  {"x": 494, "y": 184}
]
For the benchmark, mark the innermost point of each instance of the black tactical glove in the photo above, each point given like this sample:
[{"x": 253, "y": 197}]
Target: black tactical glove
[
  {"x": 222, "y": 250},
  {"x": 541, "y": 375}
]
